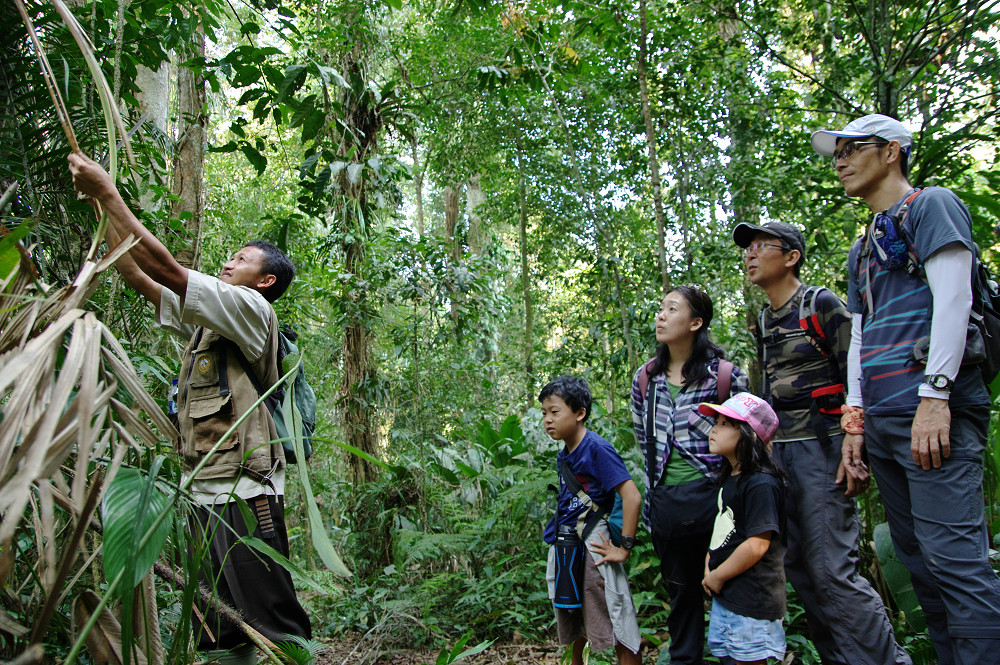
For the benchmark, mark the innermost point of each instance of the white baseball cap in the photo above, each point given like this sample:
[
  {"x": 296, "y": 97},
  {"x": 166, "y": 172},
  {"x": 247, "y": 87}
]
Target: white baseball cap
[{"x": 825, "y": 141}]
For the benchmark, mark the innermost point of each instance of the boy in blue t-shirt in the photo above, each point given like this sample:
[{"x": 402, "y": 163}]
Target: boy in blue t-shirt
[{"x": 606, "y": 616}]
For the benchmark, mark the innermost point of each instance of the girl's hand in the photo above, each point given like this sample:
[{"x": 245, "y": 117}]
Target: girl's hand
[
  {"x": 609, "y": 551},
  {"x": 712, "y": 584}
]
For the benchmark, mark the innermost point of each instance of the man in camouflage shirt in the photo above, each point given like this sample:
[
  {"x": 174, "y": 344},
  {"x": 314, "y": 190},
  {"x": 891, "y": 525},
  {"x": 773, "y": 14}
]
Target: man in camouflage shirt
[{"x": 803, "y": 370}]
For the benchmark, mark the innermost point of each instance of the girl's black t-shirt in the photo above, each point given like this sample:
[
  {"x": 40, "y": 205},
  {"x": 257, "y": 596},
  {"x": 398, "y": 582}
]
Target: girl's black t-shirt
[{"x": 750, "y": 506}]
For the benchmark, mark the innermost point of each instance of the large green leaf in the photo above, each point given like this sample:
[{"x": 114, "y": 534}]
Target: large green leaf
[
  {"x": 282, "y": 560},
  {"x": 10, "y": 257},
  {"x": 131, "y": 506},
  {"x": 898, "y": 578},
  {"x": 317, "y": 526}
]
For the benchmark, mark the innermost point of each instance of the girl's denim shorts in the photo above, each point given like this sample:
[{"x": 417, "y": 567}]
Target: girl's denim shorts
[{"x": 743, "y": 638}]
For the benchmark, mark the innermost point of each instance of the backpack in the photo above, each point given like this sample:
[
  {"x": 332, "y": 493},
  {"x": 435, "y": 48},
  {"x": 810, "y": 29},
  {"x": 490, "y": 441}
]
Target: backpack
[
  {"x": 984, "y": 342},
  {"x": 725, "y": 378},
  {"x": 808, "y": 326},
  {"x": 295, "y": 397},
  {"x": 829, "y": 398}
]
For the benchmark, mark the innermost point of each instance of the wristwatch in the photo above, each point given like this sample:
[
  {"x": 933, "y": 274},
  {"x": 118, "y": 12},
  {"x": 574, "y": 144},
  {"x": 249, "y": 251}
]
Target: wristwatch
[
  {"x": 939, "y": 382},
  {"x": 628, "y": 542}
]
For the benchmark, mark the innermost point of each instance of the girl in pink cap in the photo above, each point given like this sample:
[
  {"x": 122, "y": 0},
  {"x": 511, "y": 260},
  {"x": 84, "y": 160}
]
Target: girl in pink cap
[{"x": 744, "y": 570}]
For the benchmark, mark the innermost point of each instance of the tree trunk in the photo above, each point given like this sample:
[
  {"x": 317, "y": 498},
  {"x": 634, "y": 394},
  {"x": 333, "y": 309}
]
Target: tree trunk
[
  {"x": 356, "y": 214},
  {"x": 654, "y": 162},
  {"x": 474, "y": 197},
  {"x": 359, "y": 373},
  {"x": 418, "y": 182},
  {"x": 529, "y": 312},
  {"x": 189, "y": 155},
  {"x": 154, "y": 94},
  {"x": 451, "y": 221},
  {"x": 455, "y": 249},
  {"x": 154, "y": 99}
]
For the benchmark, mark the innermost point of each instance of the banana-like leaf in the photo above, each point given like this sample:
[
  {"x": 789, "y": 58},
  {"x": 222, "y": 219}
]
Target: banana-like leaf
[
  {"x": 283, "y": 561},
  {"x": 130, "y": 507},
  {"x": 898, "y": 578},
  {"x": 317, "y": 527}
]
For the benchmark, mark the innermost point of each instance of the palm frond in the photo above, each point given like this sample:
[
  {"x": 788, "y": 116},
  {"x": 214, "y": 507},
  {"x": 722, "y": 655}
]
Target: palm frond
[{"x": 49, "y": 76}]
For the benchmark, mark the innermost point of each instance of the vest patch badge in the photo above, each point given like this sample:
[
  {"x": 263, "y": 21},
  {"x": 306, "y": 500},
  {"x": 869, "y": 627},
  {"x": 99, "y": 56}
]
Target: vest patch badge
[{"x": 204, "y": 364}]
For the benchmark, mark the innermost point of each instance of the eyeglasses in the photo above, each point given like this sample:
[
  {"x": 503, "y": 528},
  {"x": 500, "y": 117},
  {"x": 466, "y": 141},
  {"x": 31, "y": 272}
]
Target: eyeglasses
[
  {"x": 755, "y": 247},
  {"x": 848, "y": 150}
]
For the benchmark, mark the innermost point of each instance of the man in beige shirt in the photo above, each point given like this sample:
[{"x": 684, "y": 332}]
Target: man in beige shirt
[{"x": 232, "y": 331}]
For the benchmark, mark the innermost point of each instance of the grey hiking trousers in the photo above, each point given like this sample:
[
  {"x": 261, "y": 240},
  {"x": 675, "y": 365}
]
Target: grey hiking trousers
[
  {"x": 938, "y": 528},
  {"x": 847, "y": 620}
]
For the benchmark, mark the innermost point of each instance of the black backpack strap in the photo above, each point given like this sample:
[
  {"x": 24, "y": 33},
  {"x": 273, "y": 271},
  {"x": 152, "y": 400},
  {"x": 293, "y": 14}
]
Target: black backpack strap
[
  {"x": 274, "y": 399},
  {"x": 224, "y": 370},
  {"x": 595, "y": 512},
  {"x": 762, "y": 354},
  {"x": 651, "y": 432}
]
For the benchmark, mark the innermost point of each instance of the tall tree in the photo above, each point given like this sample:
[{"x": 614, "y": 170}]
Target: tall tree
[
  {"x": 654, "y": 162},
  {"x": 188, "y": 182},
  {"x": 526, "y": 296}
]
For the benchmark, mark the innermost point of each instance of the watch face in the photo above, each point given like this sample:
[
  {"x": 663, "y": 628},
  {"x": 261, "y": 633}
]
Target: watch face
[{"x": 939, "y": 381}]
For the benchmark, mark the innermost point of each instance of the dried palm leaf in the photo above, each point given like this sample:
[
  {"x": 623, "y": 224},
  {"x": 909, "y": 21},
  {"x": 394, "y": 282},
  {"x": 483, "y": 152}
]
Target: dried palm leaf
[
  {"x": 105, "y": 640},
  {"x": 49, "y": 76}
]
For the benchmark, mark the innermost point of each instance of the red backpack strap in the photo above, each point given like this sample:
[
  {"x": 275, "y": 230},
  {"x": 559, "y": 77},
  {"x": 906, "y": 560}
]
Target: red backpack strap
[
  {"x": 809, "y": 320},
  {"x": 724, "y": 380}
]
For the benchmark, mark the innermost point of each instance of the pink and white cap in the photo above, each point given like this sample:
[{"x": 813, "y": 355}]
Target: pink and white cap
[{"x": 748, "y": 408}]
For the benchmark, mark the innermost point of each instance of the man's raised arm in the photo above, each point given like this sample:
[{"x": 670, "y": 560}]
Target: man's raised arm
[{"x": 159, "y": 268}]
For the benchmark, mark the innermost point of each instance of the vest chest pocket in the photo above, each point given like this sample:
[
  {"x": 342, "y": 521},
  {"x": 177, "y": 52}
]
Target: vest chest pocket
[
  {"x": 211, "y": 417},
  {"x": 205, "y": 369}
]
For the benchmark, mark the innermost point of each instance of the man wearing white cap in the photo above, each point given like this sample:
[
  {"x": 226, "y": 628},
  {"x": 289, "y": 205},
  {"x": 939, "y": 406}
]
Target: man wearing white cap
[{"x": 920, "y": 412}]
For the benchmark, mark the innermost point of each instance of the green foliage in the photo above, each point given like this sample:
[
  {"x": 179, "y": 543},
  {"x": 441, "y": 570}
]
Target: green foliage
[
  {"x": 898, "y": 579},
  {"x": 311, "y": 111},
  {"x": 466, "y": 536},
  {"x": 300, "y": 651},
  {"x": 458, "y": 652},
  {"x": 135, "y": 531}
]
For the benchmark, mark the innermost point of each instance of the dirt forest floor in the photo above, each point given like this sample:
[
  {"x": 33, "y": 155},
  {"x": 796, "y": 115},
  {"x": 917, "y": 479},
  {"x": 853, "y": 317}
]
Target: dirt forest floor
[{"x": 352, "y": 651}]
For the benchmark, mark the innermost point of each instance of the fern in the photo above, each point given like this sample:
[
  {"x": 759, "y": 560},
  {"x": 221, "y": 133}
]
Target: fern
[{"x": 299, "y": 650}]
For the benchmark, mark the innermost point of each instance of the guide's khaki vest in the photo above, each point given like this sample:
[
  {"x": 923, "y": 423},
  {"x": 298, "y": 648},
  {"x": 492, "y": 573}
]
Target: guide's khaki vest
[{"x": 214, "y": 392}]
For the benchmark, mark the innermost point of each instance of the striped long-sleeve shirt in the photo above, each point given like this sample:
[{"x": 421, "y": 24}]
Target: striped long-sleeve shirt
[{"x": 678, "y": 425}]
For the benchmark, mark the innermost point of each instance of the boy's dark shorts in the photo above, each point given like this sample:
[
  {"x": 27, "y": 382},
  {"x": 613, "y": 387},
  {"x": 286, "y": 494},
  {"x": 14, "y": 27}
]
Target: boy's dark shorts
[{"x": 592, "y": 620}]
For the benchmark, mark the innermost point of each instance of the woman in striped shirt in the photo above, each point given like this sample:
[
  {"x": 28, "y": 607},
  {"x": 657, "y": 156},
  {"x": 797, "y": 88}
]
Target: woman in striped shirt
[{"x": 680, "y": 503}]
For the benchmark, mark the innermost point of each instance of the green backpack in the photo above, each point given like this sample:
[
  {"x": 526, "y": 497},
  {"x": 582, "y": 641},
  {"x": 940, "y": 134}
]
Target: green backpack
[
  {"x": 294, "y": 400},
  {"x": 298, "y": 399}
]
